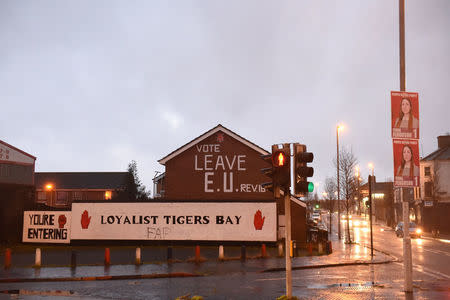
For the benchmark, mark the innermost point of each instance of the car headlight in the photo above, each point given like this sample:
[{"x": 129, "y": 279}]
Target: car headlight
[{"x": 418, "y": 230}]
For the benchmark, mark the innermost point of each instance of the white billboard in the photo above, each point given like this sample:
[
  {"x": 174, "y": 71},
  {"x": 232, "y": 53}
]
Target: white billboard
[
  {"x": 46, "y": 226},
  {"x": 235, "y": 221}
]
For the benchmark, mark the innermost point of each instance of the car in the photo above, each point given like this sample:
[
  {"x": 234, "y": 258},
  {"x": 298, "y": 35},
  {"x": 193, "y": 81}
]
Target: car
[{"x": 414, "y": 230}]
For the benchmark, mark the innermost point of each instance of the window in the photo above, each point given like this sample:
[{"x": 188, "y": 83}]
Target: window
[
  {"x": 428, "y": 189},
  {"x": 77, "y": 196},
  {"x": 427, "y": 171},
  {"x": 108, "y": 195},
  {"x": 61, "y": 198},
  {"x": 41, "y": 197}
]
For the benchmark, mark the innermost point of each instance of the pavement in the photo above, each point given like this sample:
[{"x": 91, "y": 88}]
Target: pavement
[{"x": 342, "y": 255}]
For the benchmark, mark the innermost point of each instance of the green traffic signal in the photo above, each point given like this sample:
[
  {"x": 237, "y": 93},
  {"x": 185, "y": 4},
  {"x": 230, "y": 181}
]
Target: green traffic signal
[{"x": 310, "y": 187}]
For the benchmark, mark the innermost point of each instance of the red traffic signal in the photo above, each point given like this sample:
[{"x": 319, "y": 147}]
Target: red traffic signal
[
  {"x": 279, "y": 159},
  {"x": 279, "y": 172}
]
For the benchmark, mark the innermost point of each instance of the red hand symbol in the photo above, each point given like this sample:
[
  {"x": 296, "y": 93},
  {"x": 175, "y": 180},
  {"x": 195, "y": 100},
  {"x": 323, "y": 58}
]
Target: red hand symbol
[
  {"x": 62, "y": 221},
  {"x": 85, "y": 220},
  {"x": 258, "y": 220}
]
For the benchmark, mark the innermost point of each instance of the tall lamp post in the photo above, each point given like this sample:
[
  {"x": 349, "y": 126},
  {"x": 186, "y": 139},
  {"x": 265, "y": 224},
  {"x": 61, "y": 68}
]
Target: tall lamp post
[
  {"x": 371, "y": 167},
  {"x": 339, "y": 127}
]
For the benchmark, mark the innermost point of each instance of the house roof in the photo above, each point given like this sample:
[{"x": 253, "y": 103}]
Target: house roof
[
  {"x": 82, "y": 180},
  {"x": 439, "y": 154},
  {"x": 208, "y": 134},
  {"x": 17, "y": 149}
]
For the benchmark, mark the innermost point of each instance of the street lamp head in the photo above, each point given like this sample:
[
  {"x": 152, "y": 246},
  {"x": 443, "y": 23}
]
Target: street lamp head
[
  {"x": 370, "y": 166},
  {"x": 49, "y": 186},
  {"x": 357, "y": 171},
  {"x": 340, "y": 127}
]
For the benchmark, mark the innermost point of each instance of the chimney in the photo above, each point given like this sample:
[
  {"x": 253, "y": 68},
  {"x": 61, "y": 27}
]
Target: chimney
[{"x": 443, "y": 141}]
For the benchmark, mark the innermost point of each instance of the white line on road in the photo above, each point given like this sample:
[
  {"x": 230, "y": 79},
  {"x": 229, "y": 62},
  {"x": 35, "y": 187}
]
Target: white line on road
[{"x": 429, "y": 272}]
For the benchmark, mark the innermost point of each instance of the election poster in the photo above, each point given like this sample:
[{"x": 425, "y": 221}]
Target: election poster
[
  {"x": 405, "y": 115},
  {"x": 406, "y": 163}
]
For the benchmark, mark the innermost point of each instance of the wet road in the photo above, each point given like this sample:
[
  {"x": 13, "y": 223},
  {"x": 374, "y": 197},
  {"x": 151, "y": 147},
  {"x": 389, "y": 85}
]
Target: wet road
[{"x": 431, "y": 256}]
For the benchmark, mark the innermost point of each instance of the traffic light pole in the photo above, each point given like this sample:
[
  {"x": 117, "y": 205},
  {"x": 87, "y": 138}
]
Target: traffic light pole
[{"x": 287, "y": 250}]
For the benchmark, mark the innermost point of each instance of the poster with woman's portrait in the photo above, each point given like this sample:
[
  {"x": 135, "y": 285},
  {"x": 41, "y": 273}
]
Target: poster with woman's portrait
[
  {"x": 406, "y": 163},
  {"x": 405, "y": 115}
]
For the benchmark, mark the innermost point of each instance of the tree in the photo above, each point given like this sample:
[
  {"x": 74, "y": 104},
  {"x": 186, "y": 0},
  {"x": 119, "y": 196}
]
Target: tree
[
  {"x": 348, "y": 184},
  {"x": 134, "y": 190}
]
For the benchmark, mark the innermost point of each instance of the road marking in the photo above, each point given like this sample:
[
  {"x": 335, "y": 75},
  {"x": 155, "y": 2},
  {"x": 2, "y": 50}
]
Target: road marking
[
  {"x": 429, "y": 272},
  {"x": 437, "y": 251}
]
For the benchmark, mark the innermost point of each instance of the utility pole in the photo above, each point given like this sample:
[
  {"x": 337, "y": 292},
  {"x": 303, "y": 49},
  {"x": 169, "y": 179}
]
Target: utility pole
[
  {"x": 370, "y": 214},
  {"x": 407, "y": 255}
]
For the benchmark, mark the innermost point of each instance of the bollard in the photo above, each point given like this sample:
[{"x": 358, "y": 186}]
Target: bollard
[
  {"x": 107, "y": 257},
  {"x": 169, "y": 253},
  {"x": 291, "y": 249},
  {"x": 243, "y": 253},
  {"x": 221, "y": 253},
  {"x": 138, "y": 256},
  {"x": 263, "y": 250},
  {"x": 197, "y": 253},
  {"x": 73, "y": 259},
  {"x": 37, "y": 258},
  {"x": 310, "y": 248},
  {"x": 7, "y": 258},
  {"x": 320, "y": 248},
  {"x": 280, "y": 249},
  {"x": 329, "y": 247}
]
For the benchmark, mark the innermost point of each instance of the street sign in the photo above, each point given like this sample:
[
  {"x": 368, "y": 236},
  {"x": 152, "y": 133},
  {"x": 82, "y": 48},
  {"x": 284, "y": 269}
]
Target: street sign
[
  {"x": 428, "y": 203},
  {"x": 405, "y": 115}
]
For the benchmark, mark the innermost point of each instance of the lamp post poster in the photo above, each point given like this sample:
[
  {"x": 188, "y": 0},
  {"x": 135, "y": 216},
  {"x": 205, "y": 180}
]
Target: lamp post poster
[
  {"x": 406, "y": 163},
  {"x": 405, "y": 115}
]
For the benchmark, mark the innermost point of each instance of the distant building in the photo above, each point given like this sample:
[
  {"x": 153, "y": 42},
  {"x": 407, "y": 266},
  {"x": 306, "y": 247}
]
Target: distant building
[
  {"x": 434, "y": 192},
  {"x": 382, "y": 201},
  {"x": 60, "y": 189},
  {"x": 16, "y": 190}
]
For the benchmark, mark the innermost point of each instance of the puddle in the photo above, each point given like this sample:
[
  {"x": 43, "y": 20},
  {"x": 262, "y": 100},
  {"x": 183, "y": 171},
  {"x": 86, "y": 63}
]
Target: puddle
[
  {"x": 344, "y": 285},
  {"x": 38, "y": 293}
]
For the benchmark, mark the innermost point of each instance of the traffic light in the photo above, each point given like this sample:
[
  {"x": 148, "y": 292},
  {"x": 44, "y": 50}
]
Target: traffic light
[
  {"x": 302, "y": 171},
  {"x": 279, "y": 170}
]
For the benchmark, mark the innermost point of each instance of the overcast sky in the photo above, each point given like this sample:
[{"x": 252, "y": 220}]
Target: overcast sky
[{"x": 92, "y": 85}]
